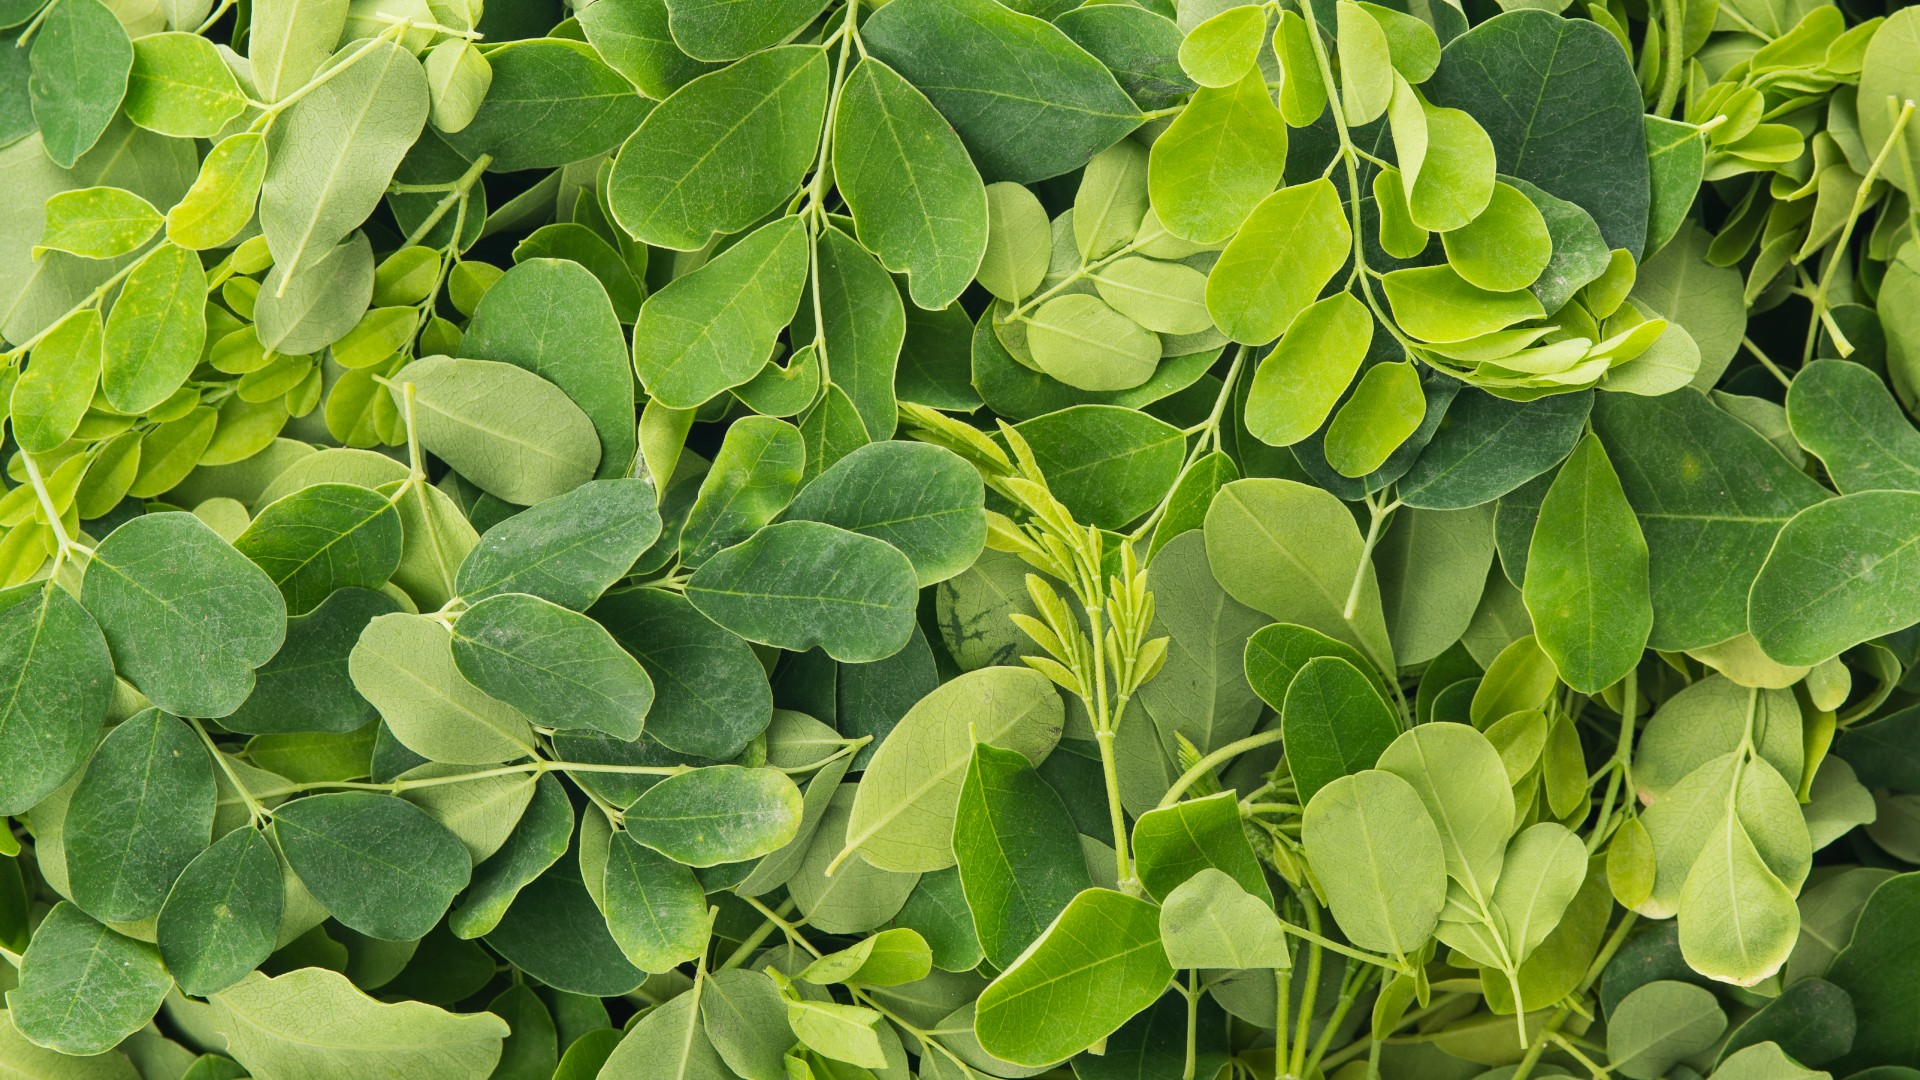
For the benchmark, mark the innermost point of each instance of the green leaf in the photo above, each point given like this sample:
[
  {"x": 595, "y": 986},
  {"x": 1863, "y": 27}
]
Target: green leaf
[
  {"x": 1140, "y": 47},
  {"x": 1210, "y": 921},
  {"x": 1708, "y": 531},
  {"x": 1215, "y": 164},
  {"x": 1559, "y": 98},
  {"x": 1659, "y": 1025},
  {"x": 187, "y": 617},
  {"x": 1676, "y": 160},
  {"x": 633, "y": 37},
  {"x": 1276, "y": 653},
  {"x": 714, "y": 328},
  {"x": 289, "y": 40},
  {"x": 1433, "y": 571},
  {"x": 549, "y": 317},
  {"x": 858, "y": 896},
  {"x": 323, "y": 538},
  {"x": 903, "y": 817},
  {"x": 888, "y": 958},
  {"x": 1086, "y": 344},
  {"x": 1019, "y": 857},
  {"x": 550, "y": 102},
  {"x": 1838, "y": 574},
  {"x": 923, "y": 500},
  {"x": 1872, "y": 969},
  {"x": 1434, "y": 303},
  {"x": 1336, "y": 723},
  {"x": 84, "y": 987},
  {"x": 1106, "y": 464},
  {"x": 1201, "y": 692},
  {"x": 80, "y": 61},
  {"x": 56, "y": 697},
  {"x": 1027, "y": 101},
  {"x": 1385, "y": 409},
  {"x": 97, "y": 223},
  {"x": 559, "y": 668},
  {"x": 1545, "y": 866},
  {"x": 1111, "y": 201},
  {"x": 1457, "y": 774},
  {"x": 156, "y": 330},
  {"x": 753, "y": 478},
  {"x": 1095, "y": 967},
  {"x": 1301, "y": 379},
  {"x": 1885, "y": 79},
  {"x": 1847, "y": 417},
  {"x": 799, "y": 584},
  {"x": 1587, "y": 572},
  {"x": 538, "y": 841},
  {"x": 309, "y": 309},
  {"x": 1173, "y": 843},
  {"x": 863, "y": 329},
  {"x": 142, "y": 811},
  {"x": 221, "y": 201},
  {"x": 404, "y": 665},
  {"x": 569, "y": 549},
  {"x": 1486, "y": 447},
  {"x": 1165, "y": 297},
  {"x": 1366, "y": 64},
  {"x": 180, "y": 86},
  {"x": 1270, "y": 274},
  {"x": 723, "y": 30},
  {"x": 671, "y": 1041},
  {"x": 515, "y": 434},
  {"x": 1506, "y": 247},
  {"x": 352, "y": 131},
  {"x": 721, "y": 814},
  {"x": 314, "y": 1018},
  {"x": 916, "y": 198},
  {"x": 51, "y": 397},
  {"x": 1225, "y": 47},
  {"x": 746, "y": 1019},
  {"x": 1019, "y": 242},
  {"x": 1378, "y": 856},
  {"x": 655, "y": 908},
  {"x": 711, "y": 695},
  {"x": 846, "y": 1033},
  {"x": 222, "y": 914},
  {"x": 378, "y": 864},
  {"x": 1293, "y": 552},
  {"x": 458, "y": 78},
  {"x": 35, "y": 1061},
  {"x": 679, "y": 181}
]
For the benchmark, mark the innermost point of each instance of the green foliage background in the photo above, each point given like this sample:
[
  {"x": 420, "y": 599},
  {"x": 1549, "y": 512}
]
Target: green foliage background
[{"x": 853, "y": 540}]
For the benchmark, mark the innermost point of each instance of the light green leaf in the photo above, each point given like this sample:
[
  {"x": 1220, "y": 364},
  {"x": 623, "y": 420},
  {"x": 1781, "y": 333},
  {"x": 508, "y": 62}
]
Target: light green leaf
[
  {"x": 513, "y": 433},
  {"x": 1218, "y": 159},
  {"x": 726, "y": 30},
  {"x": 858, "y": 896},
  {"x": 1111, "y": 201},
  {"x": 1106, "y": 464},
  {"x": 848, "y": 1033},
  {"x": 1434, "y": 303},
  {"x": 404, "y": 665},
  {"x": 1165, "y": 297},
  {"x": 1366, "y": 64},
  {"x": 1378, "y": 856},
  {"x": 1384, "y": 410},
  {"x": 288, "y": 40},
  {"x": 753, "y": 478},
  {"x": 1026, "y": 100},
  {"x": 187, "y": 617},
  {"x": 1019, "y": 242},
  {"x": 1586, "y": 583},
  {"x": 458, "y": 77},
  {"x": 1293, "y": 551},
  {"x": 715, "y": 328},
  {"x": 156, "y": 330},
  {"x": 903, "y": 817},
  {"x": 1506, "y": 247},
  {"x": 1209, "y": 921},
  {"x": 314, "y": 1018},
  {"x": 669, "y": 1041},
  {"x": 1457, "y": 774},
  {"x": 916, "y": 198},
  {"x": 377, "y": 863},
  {"x": 51, "y": 396},
  {"x": 889, "y": 958},
  {"x": 308, "y": 309},
  {"x": 1545, "y": 866},
  {"x": 221, "y": 200},
  {"x": 559, "y": 668},
  {"x": 1222, "y": 49},
  {"x": 1290, "y": 247},
  {"x": 1846, "y": 416},
  {"x": 1660, "y": 1024},
  {"x": 1084, "y": 343},
  {"x": 715, "y": 815},
  {"x": 746, "y": 1019},
  {"x": 97, "y": 223},
  {"x": 686, "y": 175},
  {"x": 1098, "y": 964},
  {"x": 1298, "y": 383},
  {"x": 180, "y": 86},
  {"x": 84, "y": 987},
  {"x": 351, "y": 132}
]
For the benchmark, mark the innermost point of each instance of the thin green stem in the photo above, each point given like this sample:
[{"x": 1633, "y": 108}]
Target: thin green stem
[
  {"x": 1839, "y": 251},
  {"x": 1224, "y": 754},
  {"x": 256, "y": 811}
]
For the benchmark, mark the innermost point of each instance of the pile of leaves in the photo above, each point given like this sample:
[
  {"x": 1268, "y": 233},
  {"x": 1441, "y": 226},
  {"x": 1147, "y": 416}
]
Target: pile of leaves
[{"x": 871, "y": 539}]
